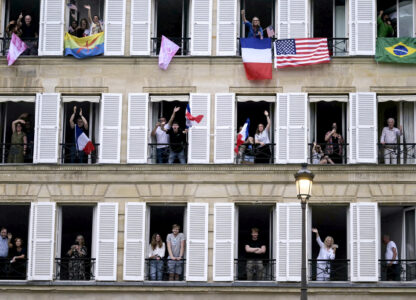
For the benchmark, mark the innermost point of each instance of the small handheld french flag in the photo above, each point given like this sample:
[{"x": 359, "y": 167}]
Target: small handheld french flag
[
  {"x": 242, "y": 135},
  {"x": 83, "y": 143},
  {"x": 190, "y": 119}
]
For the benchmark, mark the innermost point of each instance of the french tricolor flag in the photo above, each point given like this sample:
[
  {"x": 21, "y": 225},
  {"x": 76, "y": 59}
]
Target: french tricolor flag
[
  {"x": 242, "y": 135},
  {"x": 190, "y": 119},
  {"x": 257, "y": 58},
  {"x": 83, "y": 142}
]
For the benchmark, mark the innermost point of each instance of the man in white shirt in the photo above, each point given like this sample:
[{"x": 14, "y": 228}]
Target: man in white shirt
[
  {"x": 162, "y": 139},
  {"x": 391, "y": 257},
  {"x": 390, "y": 135}
]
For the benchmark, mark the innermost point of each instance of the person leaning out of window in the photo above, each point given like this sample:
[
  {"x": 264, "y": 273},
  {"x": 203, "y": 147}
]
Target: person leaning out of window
[
  {"x": 255, "y": 30},
  {"x": 262, "y": 141}
]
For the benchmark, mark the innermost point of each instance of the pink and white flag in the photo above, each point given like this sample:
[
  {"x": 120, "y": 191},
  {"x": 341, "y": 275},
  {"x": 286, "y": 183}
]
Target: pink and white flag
[
  {"x": 17, "y": 47},
  {"x": 168, "y": 50}
]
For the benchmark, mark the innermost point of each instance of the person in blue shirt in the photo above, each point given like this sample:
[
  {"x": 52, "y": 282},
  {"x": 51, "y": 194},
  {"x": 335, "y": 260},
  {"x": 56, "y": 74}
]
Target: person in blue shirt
[{"x": 255, "y": 30}]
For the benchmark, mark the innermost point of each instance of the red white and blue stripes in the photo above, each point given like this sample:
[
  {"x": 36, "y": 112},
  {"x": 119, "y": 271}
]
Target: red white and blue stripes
[{"x": 257, "y": 58}]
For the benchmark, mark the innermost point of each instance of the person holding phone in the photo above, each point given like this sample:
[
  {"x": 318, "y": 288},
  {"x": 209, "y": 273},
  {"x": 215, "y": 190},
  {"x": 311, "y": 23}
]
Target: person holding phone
[
  {"x": 77, "y": 254},
  {"x": 156, "y": 255}
]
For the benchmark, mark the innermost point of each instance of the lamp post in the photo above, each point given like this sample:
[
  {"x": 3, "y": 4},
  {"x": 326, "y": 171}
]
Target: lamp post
[{"x": 304, "y": 179}]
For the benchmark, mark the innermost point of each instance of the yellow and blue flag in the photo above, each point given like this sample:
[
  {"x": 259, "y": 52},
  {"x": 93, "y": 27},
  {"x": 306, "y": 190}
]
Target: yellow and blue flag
[
  {"x": 396, "y": 50},
  {"x": 84, "y": 47}
]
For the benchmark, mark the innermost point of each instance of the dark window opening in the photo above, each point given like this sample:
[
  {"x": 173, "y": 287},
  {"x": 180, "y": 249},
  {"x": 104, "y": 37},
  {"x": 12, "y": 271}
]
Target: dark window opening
[
  {"x": 328, "y": 113},
  {"x": 262, "y": 9},
  {"x": 76, "y": 221},
  {"x": 330, "y": 221},
  {"x": 172, "y": 21},
  {"x": 389, "y": 7},
  {"x": 80, "y": 15},
  {"x": 323, "y": 15},
  {"x": 386, "y": 110},
  {"x": 69, "y": 151},
  {"x": 13, "y": 148},
  {"x": 24, "y": 7},
  {"x": 261, "y": 217},
  {"x": 15, "y": 218}
]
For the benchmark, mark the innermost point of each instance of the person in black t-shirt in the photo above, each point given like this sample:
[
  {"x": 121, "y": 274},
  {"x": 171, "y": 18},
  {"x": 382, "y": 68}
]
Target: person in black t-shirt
[
  {"x": 82, "y": 123},
  {"x": 255, "y": 253},
  {"x": 177, "y": 139},
  {"x": 29, "y": 34}
]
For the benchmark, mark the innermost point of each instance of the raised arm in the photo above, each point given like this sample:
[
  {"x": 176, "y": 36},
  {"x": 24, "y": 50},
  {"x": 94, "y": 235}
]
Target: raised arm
[
  {"x": 172, "y": 117},
  {"x": 88, "y": 7},
  {"x": 83, "y": 119},
  {"x": 71, "y": 120},
  {"x": 318, "y": 238},
  {"x": 15, "y": 122},
  {"x": 328, "y": 135},
  {"x": 243, "y": 16},
  {"x": 269, "y": 123},
  {"x": 19, "y": 20}
]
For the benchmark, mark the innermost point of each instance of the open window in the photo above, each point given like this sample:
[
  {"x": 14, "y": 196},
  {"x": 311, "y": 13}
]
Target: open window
[
  {"x": 253, "y": 108},
  {"x": 262, "y": 9},
  {"x": 255, "y": 229},
  {"x": 325, "y": 111},
  {"x": 331, "y": 221},
  {"x": 79, "y": 23},
  {"x": 75, "y": 258},
  {"x": 161, "y": 109},
  {"x": 15, "y": 220},
  {"x": 17, "y": 145},
  {"x": 329, "y": 20},
  {"x": 399, "y": 14},
  {"x": 160, "y": 220},
  {"x": 171, "y": 19},
  {"x": 397, "y": 149},
  {"x": 73, "y": 147},
  {"x": 28, "y": 31}
]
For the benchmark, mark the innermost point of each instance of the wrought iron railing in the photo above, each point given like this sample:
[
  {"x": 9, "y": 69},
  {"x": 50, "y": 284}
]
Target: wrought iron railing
[
  {"x": 183, "y": 43},
  {"x": 15, "y": 154},
  {"x": 70, "y": 155},
  {"x": 403, "y": 270},
  {"x": 255, "y": 154},
  {"x": 167, "y": 153},
  {"x": 399, "y": 153},
  {"x": 165, "y": 269},
  {"x": 255, "y": 269},
  {"x": 13, "y": 270},
  {"x": 329, "y": 270},
  {"x": 329, "y": 154},
  {"x": 338, "y": 46},
  {"x": 32, "y": 44},
  {"x": 74, "y": 268}
]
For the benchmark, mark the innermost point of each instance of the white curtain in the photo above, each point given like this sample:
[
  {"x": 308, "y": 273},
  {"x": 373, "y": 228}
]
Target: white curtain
[{"x": 409, "y": 131}]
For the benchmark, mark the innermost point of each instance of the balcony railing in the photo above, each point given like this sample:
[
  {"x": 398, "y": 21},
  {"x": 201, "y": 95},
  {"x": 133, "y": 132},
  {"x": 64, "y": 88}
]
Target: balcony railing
[
  {"x": 329, "y": 270},
  {"x": 13, "y": 153},
  {"x": 331, "y": 154},
  {"x": 12, "y": 270},
  {"x": 165, "y": 270},
  {"x": 165, "y": 153},
  {"x": 74, "y": 268},
  {"x": 255, "y": 269},
  {"x": 31, "y": 43},
  {"x": 183, "y": 44},
  {"x": 397, "y": 154},
  {"x": 255, "y": 154},
  {"x": 404, "y": 270},
  {"x": 70, "y": 155}
]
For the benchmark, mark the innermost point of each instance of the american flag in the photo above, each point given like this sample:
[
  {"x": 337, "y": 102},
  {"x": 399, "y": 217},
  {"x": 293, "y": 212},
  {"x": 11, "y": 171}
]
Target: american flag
[{"x": 300, "y": 52}]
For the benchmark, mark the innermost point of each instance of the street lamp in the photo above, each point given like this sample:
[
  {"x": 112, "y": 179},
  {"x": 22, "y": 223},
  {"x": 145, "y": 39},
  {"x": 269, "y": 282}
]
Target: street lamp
[{"x": 303, "y": 179}]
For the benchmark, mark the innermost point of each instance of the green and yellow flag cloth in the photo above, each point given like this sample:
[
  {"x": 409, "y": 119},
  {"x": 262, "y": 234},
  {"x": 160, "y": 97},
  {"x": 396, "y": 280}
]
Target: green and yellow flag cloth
[
  {"x": 396, "y": 50},
  {"x": 84, "y": 47}
]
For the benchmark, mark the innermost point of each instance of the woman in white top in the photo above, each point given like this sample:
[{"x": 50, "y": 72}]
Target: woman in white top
[
  {"x": 156, "y": 254},
  {"x": 326, "y": 253},
  {"x": 262, "y": 141}
]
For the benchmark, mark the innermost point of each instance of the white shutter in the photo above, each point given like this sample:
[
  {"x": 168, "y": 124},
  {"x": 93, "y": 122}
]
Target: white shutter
[
  {"x": 365, "y": 115},
  {"x": 51, "y": 29},
  {"x": 197, "y": 242},
  {"x": 201, "y": 27},
  {"x": 106, "y": 241},
  {"x": 291, "y": 128},
  {"x": 47, "y": 127},
  {"x": 224, "y": 128},
  {"x": 288, "y": 241},
  {"x": 199, "y": 137},
  {"x": 137, "y": 128},
  {"x": 362, "y": 27},
  {"x": 134, "y": 243},
  {"x": 140, "y": 27},
  {"x": 223, "y": 259},
  {"x": 114, "y": 27},
  {"x": 292, "y": 19},
  {"x": 227, "y": 27},
  {"x": 110, "y": 128},
  {"x": 352, "y": 111},
  {"x": 364, "y": 241},
  {"x": 41, "y": 241}
]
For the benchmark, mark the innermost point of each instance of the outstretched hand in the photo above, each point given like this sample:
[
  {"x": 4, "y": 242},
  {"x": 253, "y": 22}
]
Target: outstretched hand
[
  {"x": 266, "y": 113},
  {"x": 176, "y": 109},
  {"x": 87, "y": 7},
  {"x": 314, "y": 230},
  {"x": 75, "y": 109},
  {"x": 80, "y": 112}
]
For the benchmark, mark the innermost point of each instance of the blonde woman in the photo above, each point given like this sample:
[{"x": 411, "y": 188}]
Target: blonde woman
[
  {"x": 156, "y": 254},
  {"x": 326, "y": 253}
]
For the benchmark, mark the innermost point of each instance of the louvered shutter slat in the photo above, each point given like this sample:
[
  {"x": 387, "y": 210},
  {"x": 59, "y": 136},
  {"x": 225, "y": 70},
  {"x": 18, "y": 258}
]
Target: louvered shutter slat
[
  {"x": 298, "y": 19},
  {"x": 362, "y": 27},
  {"x": 297, "y": 130},
  {"x": 51, "y": 33},
  {"x": 197, "y": 242},
  {"x": 201, "y": 27},
  {"x": 223, "y": 242},
  {"x": 137, "y": 128},
  {"x": 114, "y": 27},
  {"x": 140, "y": 27},
  {"x": 353, "y": 128},
  {"x": 224, "y": 128},
  {"x": 366, "y": 127},
  {"x": 110, "y": 128},
  {"x": 281, "y": 128},
  {"x": 227, "y": 27},
  {"x": 199, "y": 135}
]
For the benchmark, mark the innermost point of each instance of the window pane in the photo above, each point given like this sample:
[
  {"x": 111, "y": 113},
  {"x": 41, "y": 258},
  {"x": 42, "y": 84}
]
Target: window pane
[
  {"x": 405, "y": 18},
  {"x": 410, "y": 235}
]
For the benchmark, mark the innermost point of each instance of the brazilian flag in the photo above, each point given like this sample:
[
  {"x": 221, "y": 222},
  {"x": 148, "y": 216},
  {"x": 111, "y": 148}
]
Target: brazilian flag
[{"x": 396, "y": 50}]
